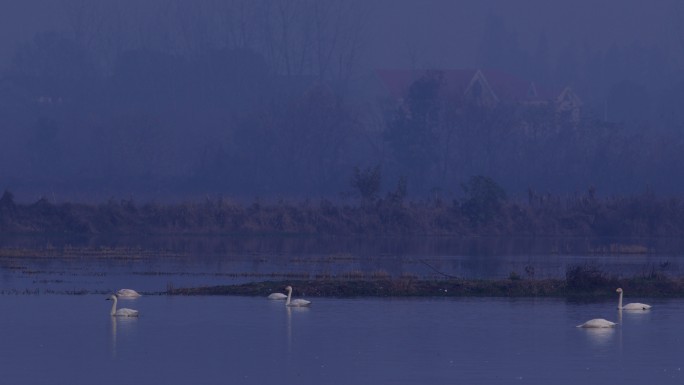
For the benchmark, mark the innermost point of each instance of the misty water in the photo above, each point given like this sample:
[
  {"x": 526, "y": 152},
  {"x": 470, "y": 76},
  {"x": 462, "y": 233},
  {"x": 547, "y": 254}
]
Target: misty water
[
  {"x": 50, "y": 335},
  {"x": 153, "y": 265}
]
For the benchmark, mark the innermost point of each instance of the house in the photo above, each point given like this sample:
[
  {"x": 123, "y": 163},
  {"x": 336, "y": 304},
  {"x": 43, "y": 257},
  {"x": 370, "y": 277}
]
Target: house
[
  {"x": 482, "y": 87},
  {"x": 568, "y": 102}
]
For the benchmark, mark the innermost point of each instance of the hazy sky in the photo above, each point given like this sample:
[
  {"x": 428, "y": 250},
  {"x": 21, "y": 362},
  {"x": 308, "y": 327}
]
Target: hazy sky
[
  {"x": 444, "y": 32},
  {"x": 440, "y": 32}
]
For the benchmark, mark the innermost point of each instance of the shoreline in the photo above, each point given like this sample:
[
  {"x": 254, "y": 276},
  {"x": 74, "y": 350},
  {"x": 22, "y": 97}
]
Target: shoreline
[
  {"x": 661, "y": 287},
  {"x": 569, "y": 288}
]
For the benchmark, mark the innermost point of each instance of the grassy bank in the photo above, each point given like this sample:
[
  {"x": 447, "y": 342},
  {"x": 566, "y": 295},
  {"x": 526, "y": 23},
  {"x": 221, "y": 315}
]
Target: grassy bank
[{"x": 580, "y": 281}]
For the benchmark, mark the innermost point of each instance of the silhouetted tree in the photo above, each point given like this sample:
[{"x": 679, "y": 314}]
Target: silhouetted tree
[
  {"x": 45, "y": 147},
  {"x": 7, "y": 200},
  {"x": 483, "y": 198},
  {"x": 366, "y": 182},
  {"x": 499, "y": 47},
  {"x": 52, "y": 69},
  {"x": 412, "y": 131},
  {"x": 628, "y": 102}
]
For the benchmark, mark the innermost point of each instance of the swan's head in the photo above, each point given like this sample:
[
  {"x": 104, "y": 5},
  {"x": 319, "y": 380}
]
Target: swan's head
[
  {"x": 619, "y": 290},
  {"x": 110, "y": 298},
  {"x": 289, "y": 288}
]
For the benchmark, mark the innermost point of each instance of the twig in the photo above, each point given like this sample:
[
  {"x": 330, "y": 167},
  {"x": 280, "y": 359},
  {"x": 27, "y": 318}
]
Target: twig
[{"x": 437, "y": 271}]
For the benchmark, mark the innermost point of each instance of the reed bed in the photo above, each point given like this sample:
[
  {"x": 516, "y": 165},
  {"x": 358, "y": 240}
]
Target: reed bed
[{"x": 583, "y": 281}]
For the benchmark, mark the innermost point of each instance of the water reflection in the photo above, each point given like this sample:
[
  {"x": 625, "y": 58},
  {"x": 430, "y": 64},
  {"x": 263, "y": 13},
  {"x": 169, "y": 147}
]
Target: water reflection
[
  {"x": 125, "y": 324},
  {"x": 288, "y": 311},
  {"x": 634, "y": 316},
  {"x": 601, "y": 336},
  {"x": 191, "y": 261}
]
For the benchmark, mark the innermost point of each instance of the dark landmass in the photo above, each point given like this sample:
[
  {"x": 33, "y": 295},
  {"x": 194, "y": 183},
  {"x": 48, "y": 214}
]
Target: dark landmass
[
  {"x": 580, "y": 282},
  {"x": 483, "y": 211}
]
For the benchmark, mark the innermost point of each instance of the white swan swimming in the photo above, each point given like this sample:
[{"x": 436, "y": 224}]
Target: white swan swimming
[
  {"x": 277, "y": 296},
  {"x": 597, "y": 323},
  {"x": 295, "y": 302},
  {"x": 121, "y": 312},
  {"x": 631, "y": 306},
  {"x": 127, "y": 293}
]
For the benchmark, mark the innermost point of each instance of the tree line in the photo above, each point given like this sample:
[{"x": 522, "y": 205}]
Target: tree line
[{"x": 483, "y": 209}]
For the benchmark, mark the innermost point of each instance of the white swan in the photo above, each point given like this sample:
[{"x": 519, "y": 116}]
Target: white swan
[
  {"x": 631, "y": 306},
  {"x": 597, "y": 323},
  {"x": 121, "y": 312},
  {"x": 127, "y": 293},
  {"x": 295, "y": 302},
  {"x": 277, "y": 296}
]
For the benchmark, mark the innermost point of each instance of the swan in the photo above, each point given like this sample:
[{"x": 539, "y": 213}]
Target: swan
[
  {"x": 127, "y": 293},
  {"x": 121, "y": 312},
  {"x": 295, "y": 302},
  {"x": 277, "y": 296},
  {"x": 631, "y": 306},
  {"x": 597, "y": 323}
]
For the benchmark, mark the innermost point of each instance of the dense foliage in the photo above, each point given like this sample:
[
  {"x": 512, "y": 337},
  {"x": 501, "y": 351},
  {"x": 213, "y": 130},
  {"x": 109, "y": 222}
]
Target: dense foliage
[{"x": 482, "y": 211}]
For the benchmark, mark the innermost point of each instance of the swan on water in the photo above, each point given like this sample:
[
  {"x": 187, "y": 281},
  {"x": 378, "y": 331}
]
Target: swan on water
[
  {"x": 597, "y": 323},
  {"x": 277, "y": 296},
  {"x": 295, "y": 302},
  {"x": 121, "y": 312},
  {"x": 127, "y": 293},
  {"x": 631, "y": 306}
]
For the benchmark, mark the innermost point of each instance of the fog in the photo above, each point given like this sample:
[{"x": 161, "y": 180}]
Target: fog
[{"x": 268, "y": 99}]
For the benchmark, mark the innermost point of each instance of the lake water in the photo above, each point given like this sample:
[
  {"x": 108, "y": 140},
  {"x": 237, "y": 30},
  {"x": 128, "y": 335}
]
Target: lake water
[
  {"x": 51, "y": 337},
  {"x": 155, "y": 264},
  {"x": 63, "y": 339}
]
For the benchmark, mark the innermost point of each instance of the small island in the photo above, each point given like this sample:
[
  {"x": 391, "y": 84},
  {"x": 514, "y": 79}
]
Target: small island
[{"x": 581, "y": 282}]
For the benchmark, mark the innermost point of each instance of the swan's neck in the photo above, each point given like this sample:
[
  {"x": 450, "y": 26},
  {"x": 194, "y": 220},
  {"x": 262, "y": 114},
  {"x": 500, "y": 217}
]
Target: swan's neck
[
  {"x": 289, "y": 295},
  {"x": 113, "y": 307},
  {"x": 620, "y": 301}
]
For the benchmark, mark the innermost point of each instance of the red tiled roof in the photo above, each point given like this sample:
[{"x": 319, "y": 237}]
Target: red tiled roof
[
  {"x": 398, "y": 81},
  {"x": 505, "y": 85}
]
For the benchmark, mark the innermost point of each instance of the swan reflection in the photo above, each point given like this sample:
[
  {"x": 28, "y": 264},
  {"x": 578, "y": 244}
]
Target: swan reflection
[
  {"x": 600, "y": 336},
  {"x": 289, "y": 328},
  {"x": 288, "y": 321},
  {"x": 119, "y": 326}
]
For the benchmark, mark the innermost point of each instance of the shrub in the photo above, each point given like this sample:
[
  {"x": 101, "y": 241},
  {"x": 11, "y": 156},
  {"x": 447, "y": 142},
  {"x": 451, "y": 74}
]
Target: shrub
[
  {"x": 585, "y": 277},
  {"x": 483, "y": 199}
]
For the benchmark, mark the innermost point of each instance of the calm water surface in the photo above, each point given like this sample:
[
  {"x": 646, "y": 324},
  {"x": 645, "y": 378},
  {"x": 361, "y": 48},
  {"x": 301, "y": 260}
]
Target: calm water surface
[
  {"x": 55, "y": 338},
  {"x": 153, "y": 264},
  {"x": 62, "y": 339}
]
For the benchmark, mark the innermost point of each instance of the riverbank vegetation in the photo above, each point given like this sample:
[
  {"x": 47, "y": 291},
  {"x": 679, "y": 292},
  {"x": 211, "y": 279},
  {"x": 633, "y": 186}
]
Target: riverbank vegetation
[
  {"x": 482, "y": 210},
  {"x": 581, "y": 281}
]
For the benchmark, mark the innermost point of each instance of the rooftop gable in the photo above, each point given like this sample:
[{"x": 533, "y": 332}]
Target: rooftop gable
[{"x": 503, "y": 85}]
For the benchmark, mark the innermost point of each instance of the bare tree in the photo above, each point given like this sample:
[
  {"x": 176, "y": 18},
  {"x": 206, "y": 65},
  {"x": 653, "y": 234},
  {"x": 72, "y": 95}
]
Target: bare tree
[{"x": 299, "y": 37}]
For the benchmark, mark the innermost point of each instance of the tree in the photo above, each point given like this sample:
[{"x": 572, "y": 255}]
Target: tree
[
  {"x": 7, "y": 200},
  {"x": 367, "y": 182},
  {"x": 628, "y": 102},
  {"x": 45, "y": 147},
  {"x": 52, "y": 67},
  {"x": 412, "y": 131},
  {"x": 483, "y": 198},
  {"x": 499, "y": 46}
]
